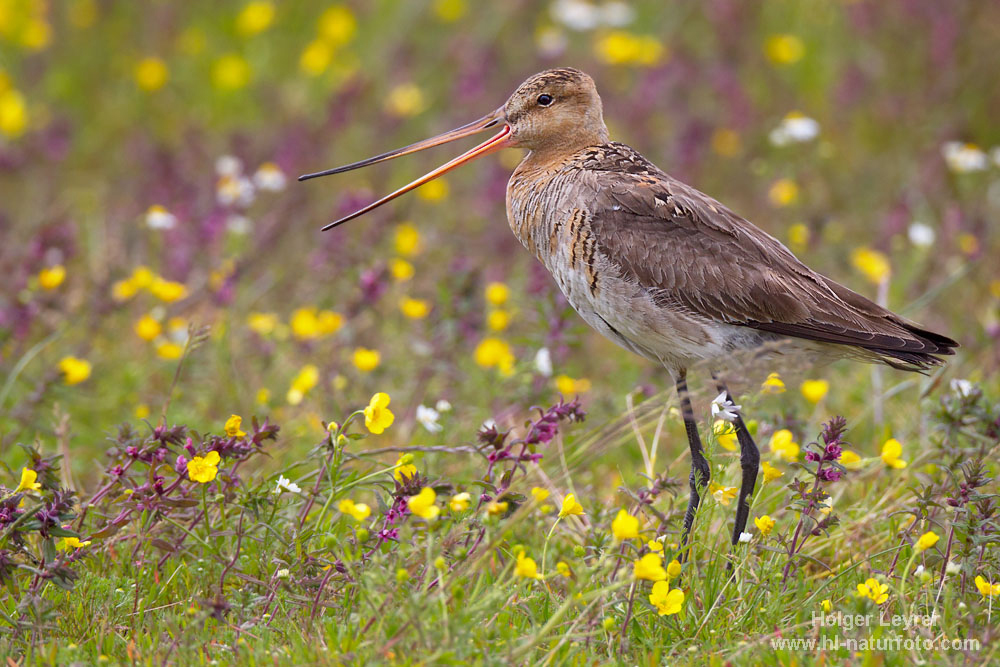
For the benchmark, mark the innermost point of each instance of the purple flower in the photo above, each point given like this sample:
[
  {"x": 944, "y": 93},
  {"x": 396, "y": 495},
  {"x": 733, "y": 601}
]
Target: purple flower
[
  {"x": 833, "y": 452},
  {"x": 812, "y": 456},
  {"x": 829, "y": 474}
]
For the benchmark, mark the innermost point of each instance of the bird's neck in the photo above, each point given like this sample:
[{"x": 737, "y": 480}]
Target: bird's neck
[{"x": 552, "y": 154}]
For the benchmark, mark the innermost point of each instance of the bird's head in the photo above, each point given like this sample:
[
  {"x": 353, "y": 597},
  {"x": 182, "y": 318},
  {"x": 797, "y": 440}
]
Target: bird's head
[{"x": 556, "y": 111}]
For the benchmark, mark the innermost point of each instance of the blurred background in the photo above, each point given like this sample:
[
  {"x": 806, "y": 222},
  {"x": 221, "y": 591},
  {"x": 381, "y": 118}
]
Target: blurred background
[{"x": 148, "y": 155}]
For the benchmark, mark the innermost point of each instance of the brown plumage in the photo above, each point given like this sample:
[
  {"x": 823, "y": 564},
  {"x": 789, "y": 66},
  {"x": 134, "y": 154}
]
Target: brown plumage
[{"x": 659, "y": 267}]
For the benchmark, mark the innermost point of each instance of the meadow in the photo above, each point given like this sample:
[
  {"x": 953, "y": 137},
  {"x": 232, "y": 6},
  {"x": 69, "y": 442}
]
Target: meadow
[{"x": 229, "y": 438}]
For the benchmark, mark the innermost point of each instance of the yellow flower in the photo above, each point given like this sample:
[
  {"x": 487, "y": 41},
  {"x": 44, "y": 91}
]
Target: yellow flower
[
  {"x": 539, "y": 494},
  {"x": 873, "y": 264},
  {"x": 305, "y": 324},
  {"x": 414, "y": 309},
  {"x": 142, "y": 411},
  {"x": 405, "y": 100},
  {"x": 625, "y": 526},
  {"x": 151, "y": 74},
  {"x": 673, "y": 569},
  {"x": 783, "y": 192},
  {"x": 400, "y": 269},
  {"x": 434, "y": 191},
  {"x": 233, "y": 425},
  {"x": 13, "y": 113},
  {"x": 204, "y": 469},
  {"x": 987, "y": 589},
  {"x": 650, "y": 568},
  {"x": 726, "y": 142},
  {"x": 147, "y": 328},
  {"x": 459, "y": 502},
  {"x": 655, "y": 546},
  {"x": 316, "y": 57},
  {"x": 329, "y": 322},
  {"x": 497, "y": 293},
  {"x": 874, "y": 590},
  {"x": 770, "y": 472},
  {"x": 302, "y": 384},
  {"x": 497, "y": 508},
  {"x": 168, "y": 290},
  {"x": 568, "y": 386},
  {"x": 764, "y": 524},
  {"x": 526, "y": 568},
  {"x": 968, "y": 243},
  {"x": 169, "y": 351},
  {"x": 73, "y": 543},
  {"x": 262, "y": 324},
  {"x": 723, "y": 494},
  {"x": 665, "y": 600},
  {"x": 404, "y": 467},
  {"x": 366, "y": 360},
  {"x": 926, "y": 541},
  {"x": 52, "y": 277},
  {"x": 230, "y": 72},
  {"x": 378, "y": 417},
  {"x": 783, "y": 445},
  {"x": 773, "y": 384},
  {"x": 407, "y": 240},
  {"x": 29, "y": 481},
  {"x": 570, "y": 506},
  {"x": 725, "y": 434},
  {"x": 850, "y": 460},
  {"x": 74, "y": 370},
  {"x": 254, "y": 18},
  {"x": 123, "y": 290},
  {"x": 623, "y": 48},
  {"x": 815, "y": 390},
  {"x": 827, "y": 606},
  {"x": 143, "y": 277},
  {"x": 358, "y": 511},
  {"x": 891, "y": 451},
  {"x": 337, "y": 25},
  {"x": 423, "y": 505},
  {"x": 563, "y": 569},
  {"x": 798, "y": 236},
  {"x": 498, "y": 320},
  {"x": 784, "y": 49},
  {"x": 449, "y": 11},
  {"x": 495, "y": 353}
]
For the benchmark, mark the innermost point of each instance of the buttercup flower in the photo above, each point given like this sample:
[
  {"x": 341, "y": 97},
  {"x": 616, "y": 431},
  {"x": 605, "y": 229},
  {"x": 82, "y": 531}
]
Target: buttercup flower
[
  {"x": 725, "y": 435},
  {"x": 570, "y": 506},
  {"x": 366, "y": 360},
  {"x": 459, "y": 502},
  {"x": 783, "y": 445},
  {"x": 497, "y": 293},
  {"x": 423, "y": 504},
  {"x": 850, "y": 460},
  {"x": 563, "y": 569},
  {"x": 378, "y": 417},
  {"x": 407, "y": 240},
  {"x": 815, "y": 390},
  {"x": 539, "y": 494},
  {"x": 826, "y": 606},
  {"x": 666, "y": 600},
  {"x": 987, "y": 589},
  {"x": 74, "y": 370},
  {"x": 404, "y": 467},
  {"x": 358, "y": 511},
  {"x": 872, "y": 263},
  {"x": 764, "y": 524},
  {"x": 926, "y": 541},
  {"x": 650, "y": 568},
  {"x": 147, "y": 328},
  {"x": 770, "y": 472},
  {"x": 722, "y": 494},
  {"x": 526, "y": 568},
  {"x": 233, "y": 426},
  {"x": 625, "y": 526},
  {"x": 204, "y": 469},
  {"x": 73, "y": 543},
  {"x": 52, "y": 277},
  {"x": 567, "y": 386},
  {"x": 874, "y": 590},
  {"x": 414, "y": 309},
  {"x": 29, "y": 481},
  {"x": 773, "y": 384},
  {"x": 495, "y": 508},
  {"x": 495, "y": 353},
  {"x": 673, "y": 569},
  {"x": 656, "y": 546},
  {"x": 892, "y": 450}
]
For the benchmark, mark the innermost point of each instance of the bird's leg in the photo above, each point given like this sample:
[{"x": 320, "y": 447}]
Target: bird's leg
[
  {"x": 700, "y": 473},
  {"x": 749, "y": 462}
]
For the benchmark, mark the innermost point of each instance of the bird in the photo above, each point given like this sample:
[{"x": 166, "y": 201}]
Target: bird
[{"x": 660, "y": 268}]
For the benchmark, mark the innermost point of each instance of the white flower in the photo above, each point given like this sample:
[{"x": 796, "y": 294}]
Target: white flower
[
  {"x": 551, "y": 42},
  {"x": 282, "y": 573},
  {"x": 489, "y": 423},
  {"x": 921, "y": 234},
  {"x": 953, "y": 567},
  {"x": 745, "y": 538},
  {"x": 428, "y": 418},
  {"x": 269, "y": 177},
  {"x": 725, "y": 409},
  {"x": 962, "y": 387},
  {"x": 157, "y": 217},
  {"x": 576, "y": 14},
  {"x": 963, "y": 158},
  {"x": 543, "y": 362},
  {"x": 442, "y": 406},
  {"x": 227, "y": 165},
  {"x": 238, "y": 224},
  {"x": 617, "y": 14},
  {"x": 232, "y": 190},
  {"x": 794, "y": 128},
  {"x": 285, "y": 484}
]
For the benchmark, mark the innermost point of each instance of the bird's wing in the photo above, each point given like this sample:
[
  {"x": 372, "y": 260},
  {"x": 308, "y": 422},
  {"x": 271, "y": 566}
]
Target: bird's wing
[{"x": 695, "y": 254}]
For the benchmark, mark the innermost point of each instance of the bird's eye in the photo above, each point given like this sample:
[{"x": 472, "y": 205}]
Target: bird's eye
[{"x": 544, "y": 100}]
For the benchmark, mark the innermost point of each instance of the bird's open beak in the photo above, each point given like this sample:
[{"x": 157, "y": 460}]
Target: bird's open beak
[{"x": 501, "y": 140}]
